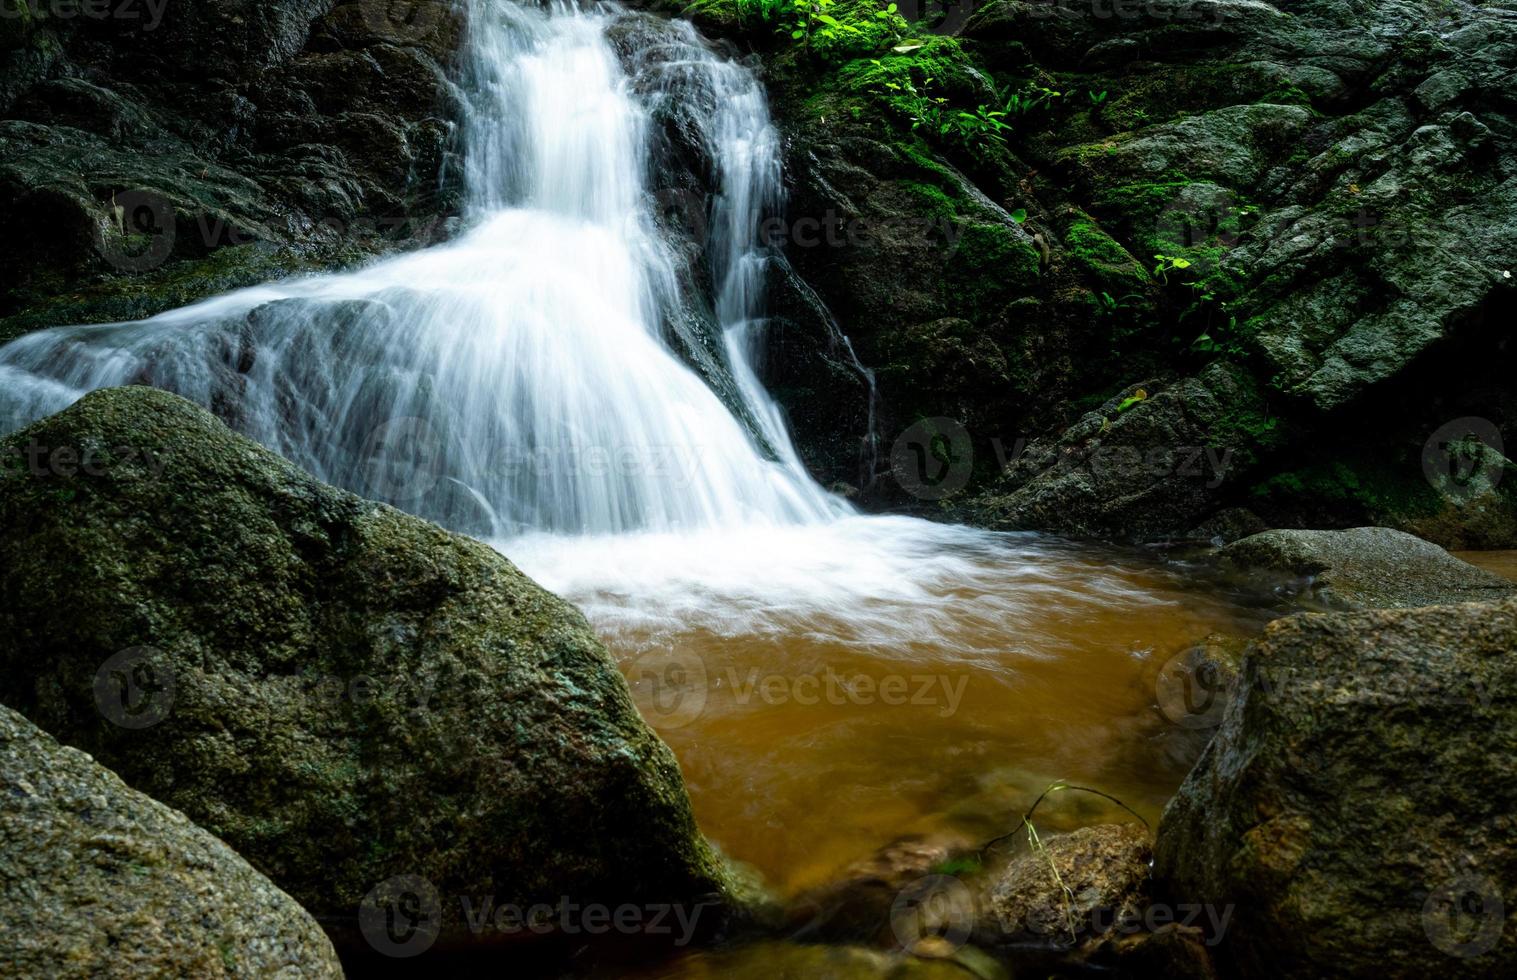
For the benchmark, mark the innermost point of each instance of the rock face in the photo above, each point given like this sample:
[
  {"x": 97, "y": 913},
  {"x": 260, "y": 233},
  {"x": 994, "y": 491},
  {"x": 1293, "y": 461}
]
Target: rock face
[
  {"x": 1105, "y": 869},
  {"x": 1229, "y": 205},
  {"x": 1367, "y": 568},
  {"x": 1356, "y": 805},
  {"x": 99, "y": 880},
  {"x": 1135, "y": 471},
  {"x": 239, "y": 140},
  {"x": 341, "y": 692}
]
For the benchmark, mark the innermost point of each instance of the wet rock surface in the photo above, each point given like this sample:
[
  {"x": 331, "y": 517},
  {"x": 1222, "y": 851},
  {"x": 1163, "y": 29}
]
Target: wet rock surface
[
  {"x": 1355, "y": 806},
  {"x": 1333, "y": 180},
  {"x": 154, "y": 159},
  {"x": 1085, "y": 883},
  {"x": 99, "y": 880},
  {"x": 363, "y": 705}
]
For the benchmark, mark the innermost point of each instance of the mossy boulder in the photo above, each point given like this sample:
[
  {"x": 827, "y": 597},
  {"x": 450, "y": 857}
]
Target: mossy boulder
[
  {"x": 1365, "y": 568},
  {"x": 342, "y": 692},
  {"x": 1355, "y": 807},
  {"x": 100, "y": 880}
]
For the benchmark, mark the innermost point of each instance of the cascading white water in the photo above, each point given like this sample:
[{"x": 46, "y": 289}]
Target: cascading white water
[
  {"x": 515, "y": 379},
  {"x": 516, "y": 383}
]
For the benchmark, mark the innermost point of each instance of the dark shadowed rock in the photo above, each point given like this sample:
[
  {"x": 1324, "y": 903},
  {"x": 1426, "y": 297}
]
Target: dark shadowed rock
[
  {"x": 1366, "y": 568},
  {"x": 1145, "y": 462},
  {"x": 99, "y": 880},
  {"x": 342, "y": 692},
  {"x": 1334, "y": 177},
  {"x": 242, "y": 140},
  {"x": 1356, "y": 805}
]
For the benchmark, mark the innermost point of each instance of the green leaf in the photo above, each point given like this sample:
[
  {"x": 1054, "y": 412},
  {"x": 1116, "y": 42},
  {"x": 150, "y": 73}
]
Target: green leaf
[
  {"x": 1019, "y": 215},
  {"x": 903, "y": 48}
]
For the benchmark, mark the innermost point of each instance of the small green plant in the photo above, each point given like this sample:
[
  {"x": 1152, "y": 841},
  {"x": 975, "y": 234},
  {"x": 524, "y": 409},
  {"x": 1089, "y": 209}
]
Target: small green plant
[
  {"x": 1108, "y": 305},
  {"x": 1096, "y": 98},
  {"x": 936, "y": 116},
  {"x": 1217, "y": 336},
  {"x": 1167, "y": 264},
  {"x": 832, "y": 29},
  {"x": 981, "y": 124},
  {"x": 1036, "y": 845},
  {"x": 1030, "y": 97}
]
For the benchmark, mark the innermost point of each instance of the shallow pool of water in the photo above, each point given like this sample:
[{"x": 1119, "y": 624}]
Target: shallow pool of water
[
  {"x": 831, "y": 688},
  {"x": 1503, "y": 563}
]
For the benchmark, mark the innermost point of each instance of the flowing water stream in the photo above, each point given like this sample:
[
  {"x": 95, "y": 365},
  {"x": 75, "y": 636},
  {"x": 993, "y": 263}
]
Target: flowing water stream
[{"x": 829, "y": 680}]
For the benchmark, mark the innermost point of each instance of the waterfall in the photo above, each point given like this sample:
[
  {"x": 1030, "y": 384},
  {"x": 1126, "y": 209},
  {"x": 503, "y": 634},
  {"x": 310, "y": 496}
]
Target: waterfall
[
  {"x": 519, "y": 378},
  {"x": 570, "y": 378}
]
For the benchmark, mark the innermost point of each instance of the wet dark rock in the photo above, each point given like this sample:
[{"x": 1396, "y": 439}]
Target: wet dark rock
[
  {"x": 1337, "y": 180},
  {"x": 340, "y": 691},
  {"x": 1355, "y": 807},
  {"x": 1137, "y": 466},
  {"x": 240, "y": 142},
  {"x": 1105, "y": 872}
]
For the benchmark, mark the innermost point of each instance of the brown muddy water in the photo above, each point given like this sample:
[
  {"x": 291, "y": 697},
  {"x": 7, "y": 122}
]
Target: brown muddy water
[
  {"x": 1503, "y": 563},
  {"x": 830, "y": 689}
]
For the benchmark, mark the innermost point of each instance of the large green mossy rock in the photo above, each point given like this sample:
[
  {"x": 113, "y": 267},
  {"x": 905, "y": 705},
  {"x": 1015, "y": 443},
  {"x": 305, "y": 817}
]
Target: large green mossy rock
[
  {"x": 1355, "y": 808},
  {"x": 340, "y": 691},
  {"x": 98, "y": 880}
]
